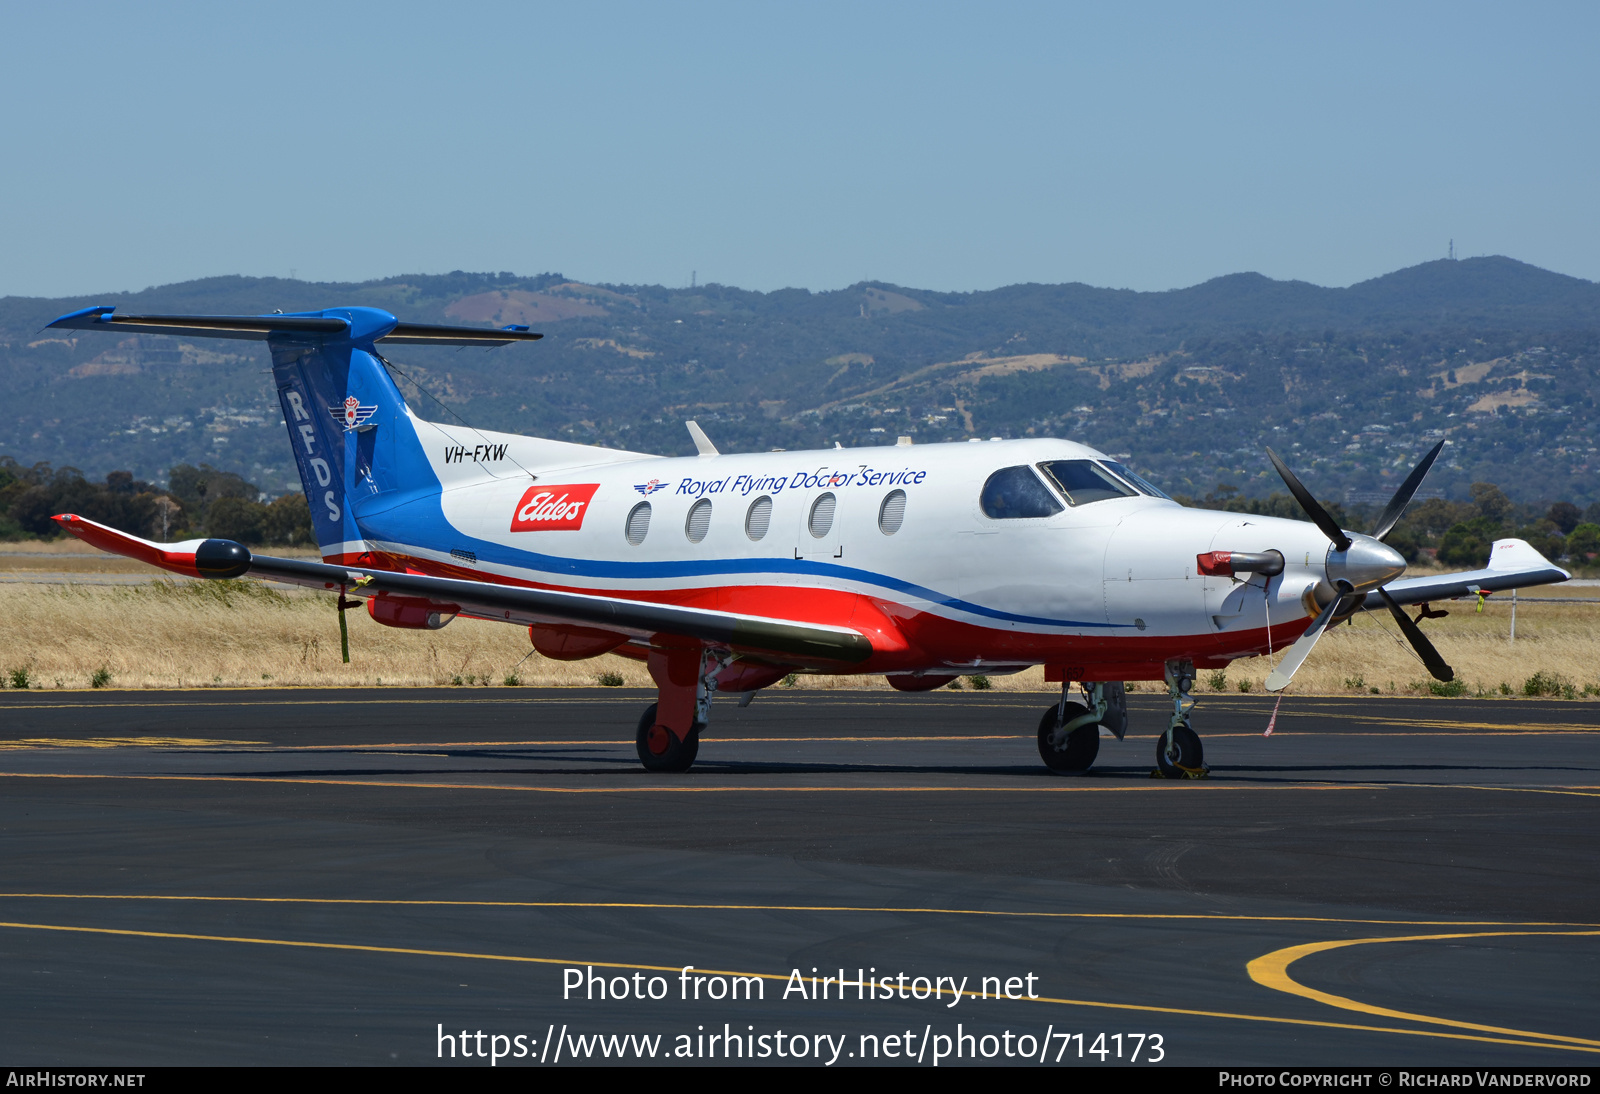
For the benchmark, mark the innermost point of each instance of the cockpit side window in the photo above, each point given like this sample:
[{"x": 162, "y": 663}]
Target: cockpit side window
[
  {"x": 1083, "y": 481},
  {"x": 1139, "y": 482},
  {"x": 1016, "y": 492}
]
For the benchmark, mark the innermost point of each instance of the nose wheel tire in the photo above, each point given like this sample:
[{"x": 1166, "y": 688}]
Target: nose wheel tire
[
  {"x": 662, "y": 750},
  {"x": 1179, "y": 754},
  {"x": 1075, "y": 754}
]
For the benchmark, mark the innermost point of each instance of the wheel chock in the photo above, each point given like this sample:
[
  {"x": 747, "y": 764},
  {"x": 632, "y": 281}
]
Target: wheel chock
[{"x": 1188, "y": 773}]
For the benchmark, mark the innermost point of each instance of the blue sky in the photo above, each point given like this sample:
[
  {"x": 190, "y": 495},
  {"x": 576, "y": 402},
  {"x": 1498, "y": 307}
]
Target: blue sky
[{"x": 942, "y": 146}]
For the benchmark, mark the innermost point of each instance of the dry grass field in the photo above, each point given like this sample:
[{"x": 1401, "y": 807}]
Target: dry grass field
[{"x": 164, "y": 633}]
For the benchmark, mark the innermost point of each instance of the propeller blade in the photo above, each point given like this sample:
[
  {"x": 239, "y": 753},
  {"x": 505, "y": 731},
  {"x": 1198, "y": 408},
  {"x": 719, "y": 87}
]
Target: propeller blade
[
  {"x": 1419, "y": 641},
  {"x": 1279, "y": 678},
  {"x": 1314, "y": 510},
  {"x": 1402, "y": 497}
]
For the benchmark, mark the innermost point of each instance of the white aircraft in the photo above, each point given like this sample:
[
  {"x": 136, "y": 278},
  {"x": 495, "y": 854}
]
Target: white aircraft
[{"x": 729, "y": 572}]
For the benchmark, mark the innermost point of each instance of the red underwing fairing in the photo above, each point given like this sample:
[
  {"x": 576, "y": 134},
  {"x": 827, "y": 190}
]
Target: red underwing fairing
[{"x": 728, "y": 572}]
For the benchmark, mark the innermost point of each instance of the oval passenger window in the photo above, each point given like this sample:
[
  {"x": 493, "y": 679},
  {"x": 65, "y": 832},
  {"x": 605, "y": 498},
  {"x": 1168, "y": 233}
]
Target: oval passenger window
[
  {"x": 759, "y": 518},
  {"x": 1016, "y": 492},
  {"x": 638, "y": 525},
  {"x": 821, "y": 521},
  {"x": 699, "y": 522},
  {"x": 892, "y": 513}
]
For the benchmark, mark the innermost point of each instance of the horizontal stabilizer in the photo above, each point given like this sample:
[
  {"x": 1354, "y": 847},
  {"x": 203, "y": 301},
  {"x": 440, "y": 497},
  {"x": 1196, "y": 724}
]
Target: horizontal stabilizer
[
  {"x": 377, "y": 325},
  {"x": 204, "y": 326}
]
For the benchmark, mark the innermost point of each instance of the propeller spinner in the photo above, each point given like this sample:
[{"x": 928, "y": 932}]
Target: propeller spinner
[{"x": 1357, "y": 565}]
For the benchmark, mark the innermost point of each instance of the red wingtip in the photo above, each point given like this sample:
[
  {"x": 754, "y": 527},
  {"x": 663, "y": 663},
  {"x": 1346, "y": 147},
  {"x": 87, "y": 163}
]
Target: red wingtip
[{"x": 120, "y": 543}]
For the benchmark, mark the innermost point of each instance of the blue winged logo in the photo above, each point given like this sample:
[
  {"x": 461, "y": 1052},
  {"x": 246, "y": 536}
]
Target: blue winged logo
[
  {"x": 650, "y": 487},
  {"x": 352, "y": 415}
]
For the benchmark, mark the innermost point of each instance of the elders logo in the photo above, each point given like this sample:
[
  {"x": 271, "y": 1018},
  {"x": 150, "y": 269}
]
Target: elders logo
[{"x": 553, "y": 508}]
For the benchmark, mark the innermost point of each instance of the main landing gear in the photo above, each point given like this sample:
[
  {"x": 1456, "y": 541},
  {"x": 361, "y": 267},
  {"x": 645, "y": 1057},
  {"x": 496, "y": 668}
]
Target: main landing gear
[
  {"x": 668, "y": 738},
  {"x": 1179, "y": 754},
  {"x": 660, "y": 749},
  {"x": 1069, "y": 731}
]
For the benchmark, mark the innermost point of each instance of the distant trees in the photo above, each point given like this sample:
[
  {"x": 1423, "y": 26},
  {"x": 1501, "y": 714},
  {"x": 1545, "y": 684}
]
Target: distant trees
[
  {"x": 1565, "y": 516},
  {"x": 31, "y": 496},
  {"x": 200, "y": 501},
  {"x": 1584, "y": 542},
  {"x": 285, "y": 521}
]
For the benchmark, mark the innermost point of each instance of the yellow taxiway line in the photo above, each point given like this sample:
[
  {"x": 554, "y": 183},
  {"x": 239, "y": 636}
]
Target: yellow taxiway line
[
  {"x": 1136, "y": 787},
  {"x": 1272, "y": 970},
  {"x": 679, "y": 907}
]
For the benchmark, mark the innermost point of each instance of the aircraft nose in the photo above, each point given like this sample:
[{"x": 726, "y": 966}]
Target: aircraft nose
[{"x": 1367, "y": 564}]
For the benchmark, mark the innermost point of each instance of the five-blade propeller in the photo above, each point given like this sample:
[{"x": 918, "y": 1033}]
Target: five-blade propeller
[{"x": 1358, "y": 558}]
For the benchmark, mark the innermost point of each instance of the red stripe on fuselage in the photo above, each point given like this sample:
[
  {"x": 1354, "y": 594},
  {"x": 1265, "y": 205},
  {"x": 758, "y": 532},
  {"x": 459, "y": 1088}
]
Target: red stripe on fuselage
[{"x": 902, "y": 637}]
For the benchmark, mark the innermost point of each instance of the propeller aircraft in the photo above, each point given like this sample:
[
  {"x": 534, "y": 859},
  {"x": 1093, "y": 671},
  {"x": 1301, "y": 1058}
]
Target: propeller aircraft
[{"x": 728, "y": 572}]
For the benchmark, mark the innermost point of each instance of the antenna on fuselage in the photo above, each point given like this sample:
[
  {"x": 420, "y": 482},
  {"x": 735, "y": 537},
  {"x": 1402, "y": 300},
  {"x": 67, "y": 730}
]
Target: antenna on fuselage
[{"x": 702, "y": 443}]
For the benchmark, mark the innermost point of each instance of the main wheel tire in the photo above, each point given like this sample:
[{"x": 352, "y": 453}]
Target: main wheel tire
[
  {"x": 662, "y": 750},
  {"x": 1077, "y": 754},
  {"x": 1179, "y": 754}
]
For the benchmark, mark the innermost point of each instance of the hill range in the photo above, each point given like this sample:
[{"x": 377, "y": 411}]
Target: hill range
[{"x": 1493, "y": 355}]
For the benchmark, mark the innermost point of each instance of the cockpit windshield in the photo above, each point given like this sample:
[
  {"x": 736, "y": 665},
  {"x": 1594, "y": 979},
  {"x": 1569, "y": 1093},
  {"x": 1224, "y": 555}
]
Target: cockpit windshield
[
  {"x": 1139, "y": 482},
  {"x": 1083, "y": 481}
]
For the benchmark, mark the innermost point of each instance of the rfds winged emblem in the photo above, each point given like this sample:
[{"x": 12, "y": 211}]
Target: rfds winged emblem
[
  {"x": 650, "y": 487},
  {"x": 352, "y": 415}
]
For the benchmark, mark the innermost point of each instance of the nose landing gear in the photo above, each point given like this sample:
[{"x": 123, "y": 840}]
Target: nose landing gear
[{"x": 1179, "y": 754}]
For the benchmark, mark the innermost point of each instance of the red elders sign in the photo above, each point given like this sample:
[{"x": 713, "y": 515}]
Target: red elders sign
[{"x": 553, "y": 508}]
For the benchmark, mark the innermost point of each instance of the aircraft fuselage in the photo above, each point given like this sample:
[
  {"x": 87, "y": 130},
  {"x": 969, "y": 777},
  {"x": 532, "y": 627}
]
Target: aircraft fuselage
[{"x": 1108, "y": 588}]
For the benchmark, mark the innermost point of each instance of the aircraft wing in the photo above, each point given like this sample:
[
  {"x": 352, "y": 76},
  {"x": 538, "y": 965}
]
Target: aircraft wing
[
  {"x": 798, "y": 642},
  {"x": 1513, "y": 564}
]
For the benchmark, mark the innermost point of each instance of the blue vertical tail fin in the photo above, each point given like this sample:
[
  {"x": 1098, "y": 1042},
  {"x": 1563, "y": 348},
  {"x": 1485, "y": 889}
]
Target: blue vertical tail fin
[
  {"x": 346, "y": 421},
  {"x": 352, "y": 434}
]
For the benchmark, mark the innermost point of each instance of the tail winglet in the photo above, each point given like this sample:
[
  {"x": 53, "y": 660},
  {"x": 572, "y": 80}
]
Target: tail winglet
[{"x": 191, "y": 558}]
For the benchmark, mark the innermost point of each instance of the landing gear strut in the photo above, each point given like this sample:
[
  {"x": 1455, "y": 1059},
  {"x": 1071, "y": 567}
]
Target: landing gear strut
[
  {"x": 1069, "y": 731},
  {"x": 668, "y": 738},
  {"x": 1179, "y": 754}
]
